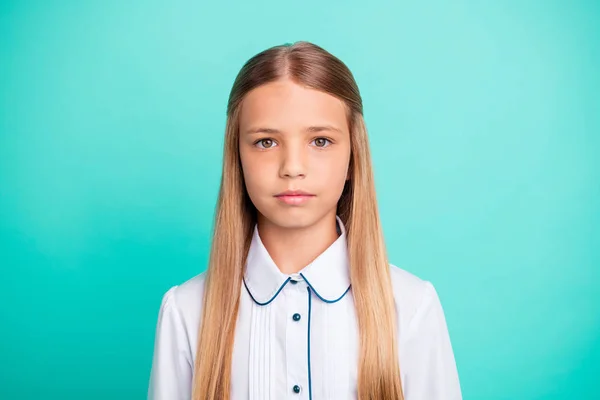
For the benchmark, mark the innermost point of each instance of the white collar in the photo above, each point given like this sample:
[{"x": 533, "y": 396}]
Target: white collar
[{"x": 328, "y": 275}]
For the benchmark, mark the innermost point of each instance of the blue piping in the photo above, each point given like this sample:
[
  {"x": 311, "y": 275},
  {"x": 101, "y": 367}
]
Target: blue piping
[
  {"x": 321, "y": 297},
  {"x": 272, "y": 298},
  {"x": 309, "y": 312}
]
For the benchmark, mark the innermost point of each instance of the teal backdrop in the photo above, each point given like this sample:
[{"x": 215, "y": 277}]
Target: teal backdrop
[{"x": 484, "y": 125}]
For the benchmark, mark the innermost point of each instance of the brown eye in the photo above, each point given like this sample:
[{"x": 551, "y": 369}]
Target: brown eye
[
  {"x": 321, "y": 142},
  {"x": 266, "y": 143}
]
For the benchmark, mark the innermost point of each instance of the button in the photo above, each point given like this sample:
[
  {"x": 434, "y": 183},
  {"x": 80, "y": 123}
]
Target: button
[
  {"x": 296, "y": 389},
  {"x": 293, "y": 281},
  {"x": 297, "y": 317}
]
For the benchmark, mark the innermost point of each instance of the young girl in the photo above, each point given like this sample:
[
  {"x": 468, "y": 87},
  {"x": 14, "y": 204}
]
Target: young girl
[{"x": 299, "y": 300}]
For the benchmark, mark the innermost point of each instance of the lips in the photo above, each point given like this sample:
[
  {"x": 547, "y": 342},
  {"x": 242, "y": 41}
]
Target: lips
[
  {"x": 294, "y": 197},
  {"x": 294, "y": 193}
]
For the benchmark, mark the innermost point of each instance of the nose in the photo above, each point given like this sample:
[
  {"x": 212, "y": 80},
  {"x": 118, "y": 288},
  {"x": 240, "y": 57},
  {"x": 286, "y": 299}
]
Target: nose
[{"x": 293, "y": 162}]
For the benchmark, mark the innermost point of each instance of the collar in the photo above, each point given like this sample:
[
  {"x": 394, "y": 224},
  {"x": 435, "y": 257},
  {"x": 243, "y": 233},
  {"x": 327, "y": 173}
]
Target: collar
[{"x": 328, "y": 275}]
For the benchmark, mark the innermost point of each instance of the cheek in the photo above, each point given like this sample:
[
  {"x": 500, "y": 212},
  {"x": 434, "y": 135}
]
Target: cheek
[
  {"x": 255, "y": 176},
  {"x": 331, "y": 173}
]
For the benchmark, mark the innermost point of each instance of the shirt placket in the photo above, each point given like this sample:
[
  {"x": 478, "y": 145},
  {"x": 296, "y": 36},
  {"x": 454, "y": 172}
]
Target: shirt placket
[{"x": 297, "y": 339}]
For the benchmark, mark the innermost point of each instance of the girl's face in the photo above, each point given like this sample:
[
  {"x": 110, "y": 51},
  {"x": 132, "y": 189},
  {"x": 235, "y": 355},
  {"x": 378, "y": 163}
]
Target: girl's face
[{"x": 293, "y": 138}]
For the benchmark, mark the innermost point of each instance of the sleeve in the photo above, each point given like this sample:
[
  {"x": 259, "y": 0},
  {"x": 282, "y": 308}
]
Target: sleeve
[
  {"x": 172, "y": 366},
  {"x": 430, "y": 368}
]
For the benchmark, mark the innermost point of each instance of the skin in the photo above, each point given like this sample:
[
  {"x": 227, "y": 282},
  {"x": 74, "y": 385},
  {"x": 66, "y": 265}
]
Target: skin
[{"x": 279, "y": 151}]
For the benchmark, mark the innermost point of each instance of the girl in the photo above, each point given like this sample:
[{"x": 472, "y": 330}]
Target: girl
[{"x": 299, "y": 300}]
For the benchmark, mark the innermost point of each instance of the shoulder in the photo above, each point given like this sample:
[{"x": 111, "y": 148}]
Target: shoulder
[
  {"x": 185, "y": 300},
  {"x": 188, "y": 291},
  {"x": 410, "y": 293}
]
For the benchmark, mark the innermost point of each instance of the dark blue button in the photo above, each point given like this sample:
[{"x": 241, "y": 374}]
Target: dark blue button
[
  {"x": 297, "y": 317},
  {"x": 293, "y": 281},
  {"x": 296, "y": 389}
]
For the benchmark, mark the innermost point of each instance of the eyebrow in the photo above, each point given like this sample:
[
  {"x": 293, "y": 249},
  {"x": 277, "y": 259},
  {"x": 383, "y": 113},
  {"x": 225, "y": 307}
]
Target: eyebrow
[{"x": 311, "y": 129}]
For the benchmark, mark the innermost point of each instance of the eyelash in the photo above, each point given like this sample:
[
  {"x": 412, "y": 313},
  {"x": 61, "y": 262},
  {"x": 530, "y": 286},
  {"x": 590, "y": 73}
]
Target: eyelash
[{"x": 319, "y": 147}]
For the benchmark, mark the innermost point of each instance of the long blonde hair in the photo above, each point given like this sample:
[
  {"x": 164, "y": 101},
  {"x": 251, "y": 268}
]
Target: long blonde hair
[{"x": 378, "y": 370}]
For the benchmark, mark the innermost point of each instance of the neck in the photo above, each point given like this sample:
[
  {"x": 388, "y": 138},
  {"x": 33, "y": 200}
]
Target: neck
[{"x": 293, "y": 248}]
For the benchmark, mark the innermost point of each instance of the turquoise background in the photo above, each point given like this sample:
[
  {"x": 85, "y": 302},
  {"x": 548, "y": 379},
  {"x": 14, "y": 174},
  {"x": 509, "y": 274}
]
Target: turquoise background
[{"x": 484, "y": 123}]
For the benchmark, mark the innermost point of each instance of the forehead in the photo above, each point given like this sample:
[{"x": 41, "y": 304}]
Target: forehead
[{"x": 285, "y": 103}]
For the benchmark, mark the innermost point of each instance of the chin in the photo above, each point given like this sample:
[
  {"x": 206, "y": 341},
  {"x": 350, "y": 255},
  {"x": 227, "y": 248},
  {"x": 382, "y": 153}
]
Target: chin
[
  {"x": 293, "y": 217},
  {"x": 289, "y": 217}
]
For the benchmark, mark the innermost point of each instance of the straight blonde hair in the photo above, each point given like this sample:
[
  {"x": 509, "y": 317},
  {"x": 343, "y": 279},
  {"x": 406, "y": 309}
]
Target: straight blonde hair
[{"x": 378, "y": 368}]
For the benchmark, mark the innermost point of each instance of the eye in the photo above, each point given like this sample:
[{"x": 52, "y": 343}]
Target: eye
[
  {"x": 267, "y": 143},
  {"x": 322, "y": 142}
]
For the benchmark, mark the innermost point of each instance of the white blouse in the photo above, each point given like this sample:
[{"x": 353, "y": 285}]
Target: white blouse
[{"x": 297, "y": 335}]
